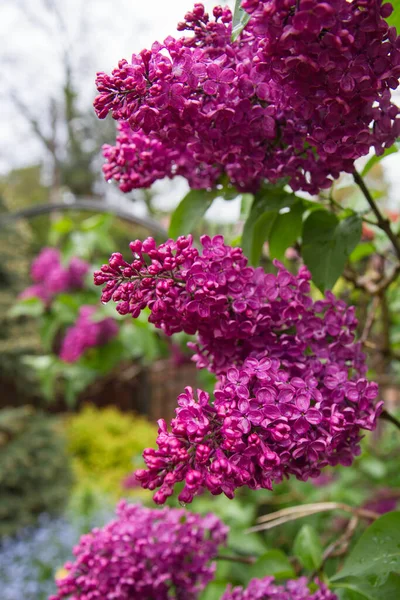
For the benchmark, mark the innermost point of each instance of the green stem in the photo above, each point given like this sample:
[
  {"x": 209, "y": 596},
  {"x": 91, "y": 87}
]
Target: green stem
[
  {"x": 386, "y": 416},
  {"x": 245, "y": 560}
]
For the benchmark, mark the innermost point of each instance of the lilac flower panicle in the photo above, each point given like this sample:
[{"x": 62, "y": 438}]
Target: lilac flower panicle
[
  {"x": 52, "y": 278},
  {"x": 267, "y": 589},
  {"x": 291, "y": 397},
  {"x": 44, "y": 263},
  {"x": 301, "y": 94},
  {"x": 86, "y": 333},
  {"x": 144, "y": 553}
]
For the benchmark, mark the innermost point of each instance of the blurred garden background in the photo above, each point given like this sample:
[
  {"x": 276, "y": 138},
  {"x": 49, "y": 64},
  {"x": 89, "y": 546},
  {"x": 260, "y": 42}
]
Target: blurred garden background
[{"x": 76, "y": 415}]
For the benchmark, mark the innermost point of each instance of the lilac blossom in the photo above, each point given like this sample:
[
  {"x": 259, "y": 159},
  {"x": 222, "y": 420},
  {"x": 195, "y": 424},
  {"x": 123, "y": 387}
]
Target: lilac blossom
[
  {"x": 52, "y": 278},
  {"x": 86, "y": 333},
  {"x": 291, "y": 396},
  {"x": 302, "y": 93},
  {"x": 144, "y": 553},
  {"x": 267, "y": 589}
]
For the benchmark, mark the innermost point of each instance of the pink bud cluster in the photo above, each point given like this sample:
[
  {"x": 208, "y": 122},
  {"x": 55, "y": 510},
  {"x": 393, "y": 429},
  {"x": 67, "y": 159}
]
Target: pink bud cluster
[
  {"x": 267, "y": 589},
  {"x": 291, "y": 396},
  {"x": 301, "y": 94},
  {"x": 52, "y": 278},
  {"x": 86, "y": 333},
  {"x": 144, "y": 553}
]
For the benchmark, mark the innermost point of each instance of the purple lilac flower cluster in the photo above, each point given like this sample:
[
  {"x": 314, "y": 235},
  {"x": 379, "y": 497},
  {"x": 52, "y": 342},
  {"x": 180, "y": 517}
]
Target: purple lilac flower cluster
[
  {"x": 291, "y": 396},
  {"x": 52, "y": 278},
  {"x": 303, "y": 92},
  {"x": 145, "y": 553},
  {"x": 86, "y": 333},
  {"x": 266, "y": 589}
]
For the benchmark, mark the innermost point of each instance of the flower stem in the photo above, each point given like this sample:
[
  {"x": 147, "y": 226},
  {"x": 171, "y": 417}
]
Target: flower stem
[
  {"x": 383, "y": 223},
  {"x": 245, "y": 560},
  {"x": 386, "y": 416},
  {"x": 305, "y": 510}
]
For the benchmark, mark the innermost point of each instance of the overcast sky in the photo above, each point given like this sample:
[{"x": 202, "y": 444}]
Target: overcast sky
[{"x": 97, "y": 33}]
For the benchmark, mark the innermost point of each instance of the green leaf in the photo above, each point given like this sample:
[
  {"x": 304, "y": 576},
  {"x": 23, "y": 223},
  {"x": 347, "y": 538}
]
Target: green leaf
[
  {"x": 187, "y": 214},
  {"x": 394, "y": 19},
  {"x": 65, "y": 308},
  {"x": 377, "y": 551},
  {"x": 362, "y": 251},
  {"x": 77, "y": 377},
  {"x": 47, "y": 369},
  {"x": 213, "y": 591},
  {"x": 102, "y": 221},
  {"x": 308, "y": 549},
  {"x": 251, "y": 544},
  {"x": 262, "y": 229},
  {"x": 29, "y": 307},
  {"x": 48, "y": 331},
  {"x": 239, "y": 20},
  {"x": 245, "y": 205},
  {"x": 273, "y": 562},
  {"x": 140, "y": 341},
  {"x": 363, "y": 588},
  {"x": 374, "y": 467},
  {"x": 59, "y": 229},
  {"x": 375, "y": 159},
  {"x": 285, "y": 230},
  {"x": 327, "y": 244},
  {"x": 264, "y": 211}
]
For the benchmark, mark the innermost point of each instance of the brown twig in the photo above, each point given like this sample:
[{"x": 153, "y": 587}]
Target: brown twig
[
  {"x": 386, "y": 416},
  {"x": 367, "y": 284},
  {"x": 382, "y": 223},
  {"x": 370, "y": 319},
  {"x": 340, "y": 546}
]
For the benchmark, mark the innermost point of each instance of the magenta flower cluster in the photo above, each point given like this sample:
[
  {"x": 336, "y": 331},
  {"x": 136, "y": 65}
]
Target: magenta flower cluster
[
  {"x": 52, "y": 278},
  {"x": 87, "y": 333},
  {"x": 303, "y": 92},
  {"x": 267, "y": 589},
  {"x": 291, "y": 396},
  {"x": 145, "y": 554}
]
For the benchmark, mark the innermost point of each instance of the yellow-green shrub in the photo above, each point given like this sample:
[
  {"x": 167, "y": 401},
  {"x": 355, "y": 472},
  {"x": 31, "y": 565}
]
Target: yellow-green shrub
[{"x": 106, "y": 445}]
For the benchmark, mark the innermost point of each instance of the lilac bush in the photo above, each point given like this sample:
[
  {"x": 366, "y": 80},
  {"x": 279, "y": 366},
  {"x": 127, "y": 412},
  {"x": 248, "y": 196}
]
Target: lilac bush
[
  {"x": 86, "y": 333},
  {"x": 291, "y": 396},
  {"x": 302, "y": 93},
  {"x": 267, "y": 589},
  {"x": 51, "y": 277},
  {"x": 145, "y": 553},
  {"x": 299, "y": 92}
]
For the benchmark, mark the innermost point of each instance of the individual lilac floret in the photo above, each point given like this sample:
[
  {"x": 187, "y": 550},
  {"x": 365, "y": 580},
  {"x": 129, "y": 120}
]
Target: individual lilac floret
[
  {"x": 52, "y": 278},
  {"x": 266, "y": 589},
  {"x": 145, "y": 553},
  {"x": 302, "y": 93},
  {"x": 86, "y": 333}
]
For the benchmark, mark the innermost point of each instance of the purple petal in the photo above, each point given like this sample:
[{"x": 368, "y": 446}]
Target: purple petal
[
  {"x": 303, "y": 402},
  {"x": 271, "y": 412},
  {"x": 313, "y": 416},
  {"x": 301, "y": 426}
]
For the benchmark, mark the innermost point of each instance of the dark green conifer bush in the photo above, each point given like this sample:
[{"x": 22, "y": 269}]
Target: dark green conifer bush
[{"x": 35, "y": 470}]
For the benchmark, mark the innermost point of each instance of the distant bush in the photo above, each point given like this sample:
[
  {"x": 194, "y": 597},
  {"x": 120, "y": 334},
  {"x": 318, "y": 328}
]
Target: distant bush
[
  {"x": 106, "y": 445},
  {"x": 35, "y": 471}
]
